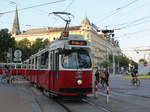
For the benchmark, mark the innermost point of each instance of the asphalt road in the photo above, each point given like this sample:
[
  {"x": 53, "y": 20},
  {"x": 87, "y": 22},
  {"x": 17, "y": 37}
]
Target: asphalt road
[
  {"x": 124, "y": 97},
  {"x": 23, "y": 97}
]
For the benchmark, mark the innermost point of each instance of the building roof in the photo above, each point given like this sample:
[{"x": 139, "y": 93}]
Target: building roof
[
  {"x": 86, "y": 21},
  {"x": 37, "y": 30},
  {"x": 48, "y": 30}
]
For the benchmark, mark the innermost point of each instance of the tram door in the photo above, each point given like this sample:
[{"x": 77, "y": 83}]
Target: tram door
[{"x": 54, "y": 69}]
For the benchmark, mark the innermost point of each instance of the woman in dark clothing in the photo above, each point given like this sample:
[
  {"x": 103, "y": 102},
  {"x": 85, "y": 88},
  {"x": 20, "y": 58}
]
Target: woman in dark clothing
[
  {"x": 107, "y": 76},
  {"x": 97, "y": 75}
]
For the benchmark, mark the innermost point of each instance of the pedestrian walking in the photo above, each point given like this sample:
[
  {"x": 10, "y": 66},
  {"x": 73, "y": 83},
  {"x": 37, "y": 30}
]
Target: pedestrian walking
[
  {"x": 107, "y": 75},
  {"x": 97, "y": 75},
  {"x": 103, "y": 78}
]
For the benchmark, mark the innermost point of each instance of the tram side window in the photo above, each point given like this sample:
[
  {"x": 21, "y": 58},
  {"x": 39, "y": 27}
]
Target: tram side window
[
  {"x": 51, "y": 61},
  {"x": 57, "y": 64},
  {"x": 44, "y": 61},
  {"x": 29, "y": 64},
  {"x": 32, "y": 63},
  {"x": 35, "y": 62}
]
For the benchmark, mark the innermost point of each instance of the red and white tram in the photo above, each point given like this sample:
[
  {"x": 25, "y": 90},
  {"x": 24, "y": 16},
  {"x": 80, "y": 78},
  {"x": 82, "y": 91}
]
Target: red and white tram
[{"x": 64, "y": 67}]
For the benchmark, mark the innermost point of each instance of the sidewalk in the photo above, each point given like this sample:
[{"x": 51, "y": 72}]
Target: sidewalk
[{"x": 11, "y": 101}]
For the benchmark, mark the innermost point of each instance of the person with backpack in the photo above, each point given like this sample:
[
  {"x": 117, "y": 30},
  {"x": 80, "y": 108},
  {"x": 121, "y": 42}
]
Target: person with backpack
[
  {"x": 103, "y": 78},
  {"x": 107, "y": 76}
]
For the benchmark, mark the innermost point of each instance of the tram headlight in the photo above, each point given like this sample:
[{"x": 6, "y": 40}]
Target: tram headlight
[{"x": 79, "y": 82}]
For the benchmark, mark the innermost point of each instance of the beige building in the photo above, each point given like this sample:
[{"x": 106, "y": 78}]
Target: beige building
[{"x": 101, "y": 45}]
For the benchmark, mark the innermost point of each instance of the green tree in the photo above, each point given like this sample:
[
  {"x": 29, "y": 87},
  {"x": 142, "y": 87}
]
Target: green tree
[
  {"x": 24, "y": 45},
  {"x": 133, "y": 63},
  {"x": 106, "y": 64},
  {"x": 123, "y": 61},
  {"x": 39, "y": 43},
  {"x": 6, "y": 42},
  {"x": 29, "y": 49},
  {"x": 141, "y": 60}
]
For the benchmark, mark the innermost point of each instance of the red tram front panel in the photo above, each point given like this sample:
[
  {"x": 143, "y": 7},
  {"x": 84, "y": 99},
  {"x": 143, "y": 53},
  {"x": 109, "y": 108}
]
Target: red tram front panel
[{"x": 66, "y": 83}]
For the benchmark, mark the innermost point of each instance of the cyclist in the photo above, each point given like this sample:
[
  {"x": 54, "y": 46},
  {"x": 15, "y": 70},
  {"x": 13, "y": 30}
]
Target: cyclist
[{"x": 134, "y": 76}]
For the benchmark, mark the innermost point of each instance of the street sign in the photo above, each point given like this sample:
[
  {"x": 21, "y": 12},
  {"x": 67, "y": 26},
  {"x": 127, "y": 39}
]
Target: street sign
[
  {"x": 17, "y": 53},
  {"x": 17, "y": 59},
  {"x": 145, "y": 63}
]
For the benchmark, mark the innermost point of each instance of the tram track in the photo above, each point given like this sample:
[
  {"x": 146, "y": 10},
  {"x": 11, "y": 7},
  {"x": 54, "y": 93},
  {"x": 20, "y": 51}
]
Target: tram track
[
  {"x": 69, "y": 105},
  {"x": 56, "y": 100},
  {"x": 97, "y": 105},
  {"x": 62, "y": 105}
]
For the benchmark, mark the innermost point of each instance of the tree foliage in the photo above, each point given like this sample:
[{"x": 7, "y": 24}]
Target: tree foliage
[
  {"x": 106, "y": 63},
  {"x": 24, "y": 45},
  {"x": 133, "y": 63},
  {"x": 122, "y": 60},
  {"x": 141, "y": 60},
  {"x": 39, "y": 43},
  {"x": 6, "y": 42},
  {"x": 29, "y": 48}
]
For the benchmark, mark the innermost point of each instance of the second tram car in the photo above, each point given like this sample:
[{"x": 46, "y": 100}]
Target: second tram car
[{"x": 63, "y": 68}]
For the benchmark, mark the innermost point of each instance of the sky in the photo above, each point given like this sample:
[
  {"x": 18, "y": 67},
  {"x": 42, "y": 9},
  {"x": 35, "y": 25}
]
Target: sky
[{"x": 130, "y": 19}]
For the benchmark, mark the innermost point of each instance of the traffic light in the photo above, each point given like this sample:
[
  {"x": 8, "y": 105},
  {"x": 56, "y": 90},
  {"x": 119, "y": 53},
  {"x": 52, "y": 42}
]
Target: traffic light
[{"x": 107, "y": 31}]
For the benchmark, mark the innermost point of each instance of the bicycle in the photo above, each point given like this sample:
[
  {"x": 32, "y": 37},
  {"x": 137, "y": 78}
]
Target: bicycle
[
  {"x": 135, "y": 81},
  {"x": 103, "y": 82}
]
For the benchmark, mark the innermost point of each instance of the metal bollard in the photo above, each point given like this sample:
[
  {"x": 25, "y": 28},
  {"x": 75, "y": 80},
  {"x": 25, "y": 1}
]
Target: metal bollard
[
  {"x": 96, "y": 89},
  {"x": 107, "y": 88}
]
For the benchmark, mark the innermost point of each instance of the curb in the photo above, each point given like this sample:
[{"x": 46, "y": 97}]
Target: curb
[{"x": 141, "y": 77}]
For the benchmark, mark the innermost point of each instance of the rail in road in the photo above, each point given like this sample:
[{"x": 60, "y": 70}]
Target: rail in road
[{"x": 122, "y": 99}]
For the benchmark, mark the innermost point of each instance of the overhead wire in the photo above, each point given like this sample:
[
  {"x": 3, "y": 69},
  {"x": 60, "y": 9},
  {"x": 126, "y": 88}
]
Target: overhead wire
[
  {"x": 131, "y": 24},
  {"x": 29, "y": 25},
  {"x": 134, "y": 33},
  {"x": 117, "y": 10},
  {"x": 69, "y": 5},
  {"x": 34, "y": 6},
  {"x": 134, "y": 22},
  {"x": 134, "y": 9}
]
